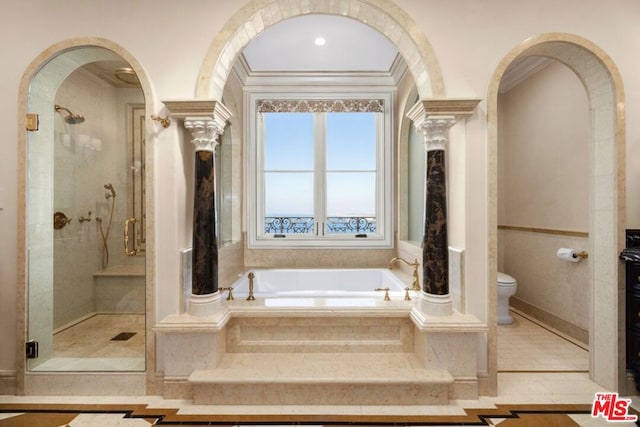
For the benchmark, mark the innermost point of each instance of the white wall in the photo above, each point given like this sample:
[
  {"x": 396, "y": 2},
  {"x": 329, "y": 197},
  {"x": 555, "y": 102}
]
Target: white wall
[{"x": 170, "y": 40}]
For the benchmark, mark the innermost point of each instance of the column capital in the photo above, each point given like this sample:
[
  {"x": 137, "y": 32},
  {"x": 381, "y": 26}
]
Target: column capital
[
  {"x": 436, "y": 131},
  {"x": 204, "y": 118},
  {"x": 434, "y": 118},
  {"x": 204, "y": 132}
]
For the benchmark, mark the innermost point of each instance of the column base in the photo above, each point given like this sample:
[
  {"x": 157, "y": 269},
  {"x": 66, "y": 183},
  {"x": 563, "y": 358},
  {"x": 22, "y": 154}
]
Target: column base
[
  {"x": 205, "y": 305},
  {"x": 435, "y": 305}
]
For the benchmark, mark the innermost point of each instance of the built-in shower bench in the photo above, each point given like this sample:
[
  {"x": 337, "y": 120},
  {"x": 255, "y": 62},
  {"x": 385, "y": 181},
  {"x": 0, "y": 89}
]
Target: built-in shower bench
[{"x": 321, "y": 379}]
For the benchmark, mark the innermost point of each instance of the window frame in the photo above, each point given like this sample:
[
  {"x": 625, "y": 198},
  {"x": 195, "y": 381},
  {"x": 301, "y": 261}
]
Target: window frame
[{"x": 255, "y": 172}]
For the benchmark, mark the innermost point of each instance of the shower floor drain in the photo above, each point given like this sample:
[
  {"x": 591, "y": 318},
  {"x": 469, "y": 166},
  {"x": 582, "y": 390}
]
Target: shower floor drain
[{"x": 123, "y": 336}]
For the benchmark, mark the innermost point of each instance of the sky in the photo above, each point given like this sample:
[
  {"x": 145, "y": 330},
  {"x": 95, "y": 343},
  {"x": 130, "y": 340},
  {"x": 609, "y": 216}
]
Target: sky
[{"x": 350, "y": 161}]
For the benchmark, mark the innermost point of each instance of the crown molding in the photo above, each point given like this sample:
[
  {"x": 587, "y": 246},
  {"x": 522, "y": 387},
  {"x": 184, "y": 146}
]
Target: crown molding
[
  {"x": 262, "y": 80},
  {"x": 458, "y": 107},
  {"x": 183, "y": 108},
  {"x": 522, "y": 69}
]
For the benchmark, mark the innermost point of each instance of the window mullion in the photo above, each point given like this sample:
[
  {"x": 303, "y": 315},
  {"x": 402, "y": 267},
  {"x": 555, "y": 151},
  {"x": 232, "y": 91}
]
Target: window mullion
[
  {"x": 260, "y": 175},
  {"x": 381, "y": 194},
  {"x": 320, "y": 172}
]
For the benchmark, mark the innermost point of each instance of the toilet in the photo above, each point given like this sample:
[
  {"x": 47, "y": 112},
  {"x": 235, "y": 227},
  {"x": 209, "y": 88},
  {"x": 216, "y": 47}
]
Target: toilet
[{"x": 506, "y": 288}]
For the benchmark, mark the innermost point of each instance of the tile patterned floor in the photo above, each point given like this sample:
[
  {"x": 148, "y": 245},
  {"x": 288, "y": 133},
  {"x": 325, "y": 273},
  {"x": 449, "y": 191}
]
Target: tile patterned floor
[
  {"x": 88, "y": 346},
  {"x": 550, "y": 388},
  {"x": 525, "y": 346}
]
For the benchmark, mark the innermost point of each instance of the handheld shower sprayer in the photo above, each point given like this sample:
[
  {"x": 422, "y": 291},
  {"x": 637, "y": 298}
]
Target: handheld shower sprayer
[
  {"x": 112, "y": 191},
  {"x": 111, "y": 194}
]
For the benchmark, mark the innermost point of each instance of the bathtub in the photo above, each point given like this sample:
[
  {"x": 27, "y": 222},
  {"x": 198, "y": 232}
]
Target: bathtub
[{"x": 320, "y": 287}]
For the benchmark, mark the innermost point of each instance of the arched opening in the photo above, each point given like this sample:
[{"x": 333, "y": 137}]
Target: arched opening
[
  {"x": 386, "y": 18},
  {"x": 602, "y": 82},
  {"x": 87, "y": 170},
  {"x": 219, "y": 70}
]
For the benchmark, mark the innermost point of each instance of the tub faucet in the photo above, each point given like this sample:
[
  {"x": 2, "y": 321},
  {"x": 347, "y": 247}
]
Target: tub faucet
[
  {"x": 386, "y": 292},
  {"x": 251, "y": 276},
  {"x": 415, "y": 286}
]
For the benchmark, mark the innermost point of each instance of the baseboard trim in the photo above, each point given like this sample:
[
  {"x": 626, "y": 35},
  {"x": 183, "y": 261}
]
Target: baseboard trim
[
  {"x": 572, "y": 332},
  {"x": 8, "y": 382}
]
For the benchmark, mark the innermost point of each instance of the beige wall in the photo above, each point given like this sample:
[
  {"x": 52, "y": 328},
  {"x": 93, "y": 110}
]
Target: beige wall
[
  {"x": 469, "y": 39},
  {"x": 543, "y": 152}
]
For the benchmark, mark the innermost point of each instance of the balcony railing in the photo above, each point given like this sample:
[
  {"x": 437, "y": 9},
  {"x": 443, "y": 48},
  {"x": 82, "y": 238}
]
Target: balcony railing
[
  {"x": 351, "y": 224},
  {"x": 288, "y": 224},
  {"x": 306, "y": 224}
]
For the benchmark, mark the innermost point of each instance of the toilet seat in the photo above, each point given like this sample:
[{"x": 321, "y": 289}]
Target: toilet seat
[
  {"x": 506, "y": 288},
  {"x": 505, "y": 280}
]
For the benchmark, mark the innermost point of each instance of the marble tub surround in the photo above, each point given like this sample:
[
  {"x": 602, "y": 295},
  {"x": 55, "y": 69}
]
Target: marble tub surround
[{"x": 321, "y": 351}]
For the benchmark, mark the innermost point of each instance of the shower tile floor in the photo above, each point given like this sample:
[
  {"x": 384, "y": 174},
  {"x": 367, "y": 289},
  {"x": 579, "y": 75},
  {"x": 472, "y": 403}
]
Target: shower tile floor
[{"x": 88, "y": 345}]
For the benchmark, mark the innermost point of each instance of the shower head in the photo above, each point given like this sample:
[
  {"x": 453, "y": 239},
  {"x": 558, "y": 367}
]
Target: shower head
[
  {"x": 110, "y": 188},
  {"x": 70, "y": 118}
]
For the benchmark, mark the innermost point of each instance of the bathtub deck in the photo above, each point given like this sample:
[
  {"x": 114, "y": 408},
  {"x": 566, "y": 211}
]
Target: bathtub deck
[
  {"x": 253, "y": 354},
  {"x": 320, "y": 378}
]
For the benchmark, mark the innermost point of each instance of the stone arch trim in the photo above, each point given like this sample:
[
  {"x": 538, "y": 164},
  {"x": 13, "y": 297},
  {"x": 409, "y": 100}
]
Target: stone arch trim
[
  {"x": 79, "y": 42},
  {"x": 28, "y": 75},
  {"x": 604, "y": 86},
  {"x": 382, "y": 15}
]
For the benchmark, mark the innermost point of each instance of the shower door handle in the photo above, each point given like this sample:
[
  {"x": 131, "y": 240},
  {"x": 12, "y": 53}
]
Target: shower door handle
[{"x": 134, "y": 250}]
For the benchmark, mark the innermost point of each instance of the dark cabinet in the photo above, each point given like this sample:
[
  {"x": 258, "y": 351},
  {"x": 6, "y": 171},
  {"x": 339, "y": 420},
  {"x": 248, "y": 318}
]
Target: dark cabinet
[{"x": 631, "y": 256}]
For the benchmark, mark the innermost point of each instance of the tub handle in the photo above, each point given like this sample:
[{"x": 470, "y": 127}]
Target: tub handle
[
  {"x": 386, "y": 293},
  {"x": 406, "y": 294},
  {"x": 230, "y": 289}
]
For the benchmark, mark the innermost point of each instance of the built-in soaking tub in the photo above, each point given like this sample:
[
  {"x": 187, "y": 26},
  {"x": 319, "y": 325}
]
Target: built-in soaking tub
[{"x": 321, "y": 287}]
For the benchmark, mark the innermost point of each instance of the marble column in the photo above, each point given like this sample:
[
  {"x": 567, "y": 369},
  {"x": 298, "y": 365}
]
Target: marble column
[
  {"x": 205, "y": 298},
  {"x": 434, "y": 118},
  {"x": 204, "y": 275},
  {"x": 435, "y": 298},
  {"x": 435, "y": 245},
  {"x": 206, "y": 120}
]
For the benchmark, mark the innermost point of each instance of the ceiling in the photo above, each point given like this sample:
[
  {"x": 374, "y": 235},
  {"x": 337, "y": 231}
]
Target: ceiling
[
  {"x": 521, "y": 69},
  {"x": 117, "y": 73},
  {"x": 350, "y": 46}
]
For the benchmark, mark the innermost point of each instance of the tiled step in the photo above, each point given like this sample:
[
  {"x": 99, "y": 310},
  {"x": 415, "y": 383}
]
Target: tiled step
[
  {"x": 320, "y": 379},
  {"x": 323, "y": 334}
]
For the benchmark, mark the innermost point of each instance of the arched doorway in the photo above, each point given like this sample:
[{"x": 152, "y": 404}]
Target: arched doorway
[
  {"x": 602, "y": 81},
  {"x": 79, "y": 180}
]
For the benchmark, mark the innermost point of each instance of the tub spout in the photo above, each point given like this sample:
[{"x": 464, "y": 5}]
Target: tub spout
[
  {"x": 251, "y": 276},
  {"x": 415, "y": 285}
]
